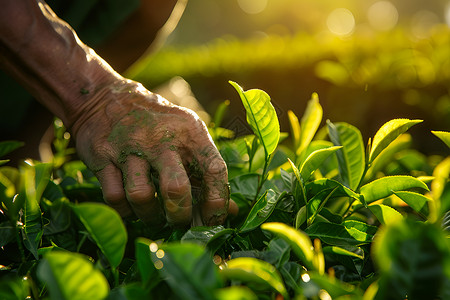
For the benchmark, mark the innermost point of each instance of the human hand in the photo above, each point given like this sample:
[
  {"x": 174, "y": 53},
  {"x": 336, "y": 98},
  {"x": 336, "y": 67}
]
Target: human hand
[{"x": 138, "y": 143}]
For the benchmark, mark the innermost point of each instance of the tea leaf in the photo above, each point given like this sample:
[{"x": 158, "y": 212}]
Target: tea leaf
[
  {"x": 412, "y": 257},
  {"x": 386, "y": 186},
  {"x": 298, "y": 240},
  {"x": 249, "y": 269},
  {"x": 351, "y": 155},
  {"x": 347, "y": 234},
  {"x": 387, "y": 133},
  {"x": 261, "y": 116},
  {"x": 444, "y": 136},
  {"x": 310, "y": 122},
  {"x": 314, "y": 160},
  {"x": 235, "y": 292},
  {"x": 188, "y": 270},
  {"x": 106, "y": 228},
  {"x": 71, "y": 276},
  {"x": 385, "y": 214},
  {"x": 416, "y": 201},
  {"x": 143, "y": 258},
  {"x": 295, "y": 129},
  {"x": 262, "y": 209}
]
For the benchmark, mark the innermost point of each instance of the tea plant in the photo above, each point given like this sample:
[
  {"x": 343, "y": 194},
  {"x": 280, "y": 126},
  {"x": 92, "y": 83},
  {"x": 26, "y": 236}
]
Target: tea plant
[{"x": 322, "y": 216}]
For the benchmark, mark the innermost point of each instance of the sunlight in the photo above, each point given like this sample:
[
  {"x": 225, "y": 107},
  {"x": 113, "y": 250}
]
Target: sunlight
[
  {"x": 341, "y": 22},
  {"x": 252, "y": 6},
  {"x": 383, "y": 15}
]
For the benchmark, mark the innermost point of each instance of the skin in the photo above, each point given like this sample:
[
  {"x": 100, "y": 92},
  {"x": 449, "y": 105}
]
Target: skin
[{"x": 122, "y": 130}]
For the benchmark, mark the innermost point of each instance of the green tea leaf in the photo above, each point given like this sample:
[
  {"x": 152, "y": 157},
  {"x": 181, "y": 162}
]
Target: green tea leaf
[
  {"x": 70, "y": 276},
  {"x": 444, "y": 136},
  {"x": 412, "y": 258},
  {"x": 416, "y": 201},
  {"x": 441, "y": 175},
  {"x": 144, "y": 260},
  {"x": 201, "y": 234},
  {"x": 312, "y": 117},
  {"x": 235, "y": 293},
  {"x": 34, "y": 180},
  {"x": 314, "y": 160},
  {"x": 387, "y": 133},
  {"x": 14, "y": 288},
  {"x": 315, "y": 205},
  {"x": 295, "y": 129},
  {"x": 354, "y": 252},
  {"x": 249, "y": 269},
  {"x": 188, "y": 269},
  {"x": 335, "y": 288},
  {"x": 347, "y": 234},
  {"x": 313, "y": 188},
  {"x": 262, "y": 209},
  {"x": 9, "y": 146},
  {"x": 351, "y": 156},
  {"x": 387, "y": 155},
  {"x": 298, "y": 240},
  {"x": 385, "y": 214},
  {"x": 386, "y": 186},
  {"x": 106, "y": 228},
  {"x": 261, "y": 116}
]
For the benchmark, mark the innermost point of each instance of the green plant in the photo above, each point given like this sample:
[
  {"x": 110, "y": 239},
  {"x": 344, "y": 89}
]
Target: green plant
[{"x": 320, "y": 218}]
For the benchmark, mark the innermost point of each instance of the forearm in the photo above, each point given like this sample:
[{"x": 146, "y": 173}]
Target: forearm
[{"x": 45, "y": 55}]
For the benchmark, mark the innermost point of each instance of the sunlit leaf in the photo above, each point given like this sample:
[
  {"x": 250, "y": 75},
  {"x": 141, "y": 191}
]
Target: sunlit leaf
[
  {"x": 385, "y": 214},
  {"x": 295, "y": 129},
  {"x": 385, "y": 186},
  {"x": 352, "y": 233},
  {"x": 70, "y": 276},
  {"x": 249, "y": 269},
  {"x": 106, "y": 228},
  {"x": 387, "y": 133},
  {"x": 441, "y": 175},
  {"x": 355, "y": 252},
  {"x": 416, "y": 201},
  {"x": 387, "y": 155},
  {"x": 298, "y": 240},
  {"x": 261, "y": 116},
  {"x": 260, "y": 211},
  {"x": 314, "y": 160},
  {"x": 312, "y": 117},
  {"x": 235, "y": 293},
  {"x": 444, "y": 136},
  {"x": 351, "y": 156}
]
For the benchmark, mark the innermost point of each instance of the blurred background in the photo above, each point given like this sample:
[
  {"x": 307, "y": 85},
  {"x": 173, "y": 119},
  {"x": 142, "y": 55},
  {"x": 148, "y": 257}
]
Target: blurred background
[{"x": 369, "y": 61}]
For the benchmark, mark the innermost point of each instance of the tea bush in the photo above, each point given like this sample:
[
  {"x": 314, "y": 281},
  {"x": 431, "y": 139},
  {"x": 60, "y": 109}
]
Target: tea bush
[{"x": 323, "y": 215}]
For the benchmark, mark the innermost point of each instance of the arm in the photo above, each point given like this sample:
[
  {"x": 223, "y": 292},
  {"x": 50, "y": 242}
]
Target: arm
[{"x": 133, "y": 140}]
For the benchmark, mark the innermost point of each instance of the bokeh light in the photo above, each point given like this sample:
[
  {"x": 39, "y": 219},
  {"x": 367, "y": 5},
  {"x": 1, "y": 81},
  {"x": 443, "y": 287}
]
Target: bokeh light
[
  {"x": 382, "y": 15},
  {"x": 253, "y": 6},
  {"x": 341, "y": 22}
]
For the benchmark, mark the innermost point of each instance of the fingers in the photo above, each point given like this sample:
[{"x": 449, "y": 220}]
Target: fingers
[
  {"x": 110, "y": 179},
  {"x": 140, "y": 191},
  {"x": 217, "y": 193},
  {"x": 175, "y": 189}
]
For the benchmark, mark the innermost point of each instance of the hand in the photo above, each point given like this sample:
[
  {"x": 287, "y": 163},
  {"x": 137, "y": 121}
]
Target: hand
[{"x": 138, "y": 143}]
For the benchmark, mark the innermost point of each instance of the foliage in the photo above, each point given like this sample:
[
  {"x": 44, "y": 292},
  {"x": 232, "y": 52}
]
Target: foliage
[{"x": 323, "y": 216}]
